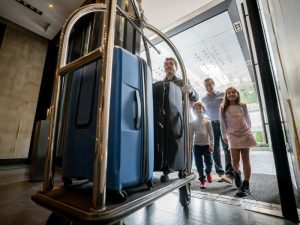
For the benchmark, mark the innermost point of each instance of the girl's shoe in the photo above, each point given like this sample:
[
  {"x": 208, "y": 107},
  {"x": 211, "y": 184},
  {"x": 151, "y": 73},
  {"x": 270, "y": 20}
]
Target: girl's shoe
[
  {"x": 244, "y": 189},
  {"x": 202, "y": 184}
]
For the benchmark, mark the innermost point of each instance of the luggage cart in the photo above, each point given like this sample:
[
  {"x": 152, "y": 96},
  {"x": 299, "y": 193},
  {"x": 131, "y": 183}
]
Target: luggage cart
[{"x": 91, "y": 207}]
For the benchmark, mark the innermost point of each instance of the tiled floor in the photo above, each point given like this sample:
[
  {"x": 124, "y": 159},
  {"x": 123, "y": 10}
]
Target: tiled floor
[
  {"x": 16, "y": 207},
  {"x": 167, "y": 211}
]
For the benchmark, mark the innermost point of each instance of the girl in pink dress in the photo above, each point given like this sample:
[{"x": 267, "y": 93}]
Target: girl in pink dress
[{"x": 235, "y": 126}]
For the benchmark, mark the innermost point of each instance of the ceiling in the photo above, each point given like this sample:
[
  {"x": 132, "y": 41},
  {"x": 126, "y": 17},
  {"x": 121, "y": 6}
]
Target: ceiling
[
  {"x": 174, "y": 12},
  {"x": 53, "y": 18},
  {"x": 209, "y": 49}
]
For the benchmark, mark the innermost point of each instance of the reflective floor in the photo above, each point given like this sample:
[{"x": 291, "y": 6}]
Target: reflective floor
[
  {"x": 167, "y": 211},
  {"x": 17, "y": 208}
]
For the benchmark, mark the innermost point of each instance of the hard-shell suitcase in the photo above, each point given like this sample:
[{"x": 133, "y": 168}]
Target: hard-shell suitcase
[
  {"x": 168, "y": 119},
  {"x": 131, "y": 144}
]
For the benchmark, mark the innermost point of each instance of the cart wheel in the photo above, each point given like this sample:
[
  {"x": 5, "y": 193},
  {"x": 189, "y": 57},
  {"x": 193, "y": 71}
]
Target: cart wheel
[
  {"x": 181, "y": 174},
  {"x": 67, "y": 181},
  {"x": 185, "y": 195},
  {"x": 164, "y": 178},
  {"x": 55, "y": 219},
  {"x": 150, "y": 184}
]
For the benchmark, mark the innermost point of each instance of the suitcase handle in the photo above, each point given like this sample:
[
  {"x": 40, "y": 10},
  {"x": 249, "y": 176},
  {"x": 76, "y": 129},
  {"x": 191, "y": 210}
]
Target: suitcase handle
[
  {"x": 181, "y": 129},
  {"x": 139, "y": 109}
]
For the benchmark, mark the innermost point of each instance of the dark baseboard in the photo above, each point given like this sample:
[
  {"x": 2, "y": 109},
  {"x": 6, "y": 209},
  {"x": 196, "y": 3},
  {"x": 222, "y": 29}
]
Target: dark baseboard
[{"x": 7, "y": 162}]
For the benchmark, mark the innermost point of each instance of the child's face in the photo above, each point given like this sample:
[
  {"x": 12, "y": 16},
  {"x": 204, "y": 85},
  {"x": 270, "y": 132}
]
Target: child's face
[
  {"x": 232, "y": 95},
  {"x": 199, "y": 109}
]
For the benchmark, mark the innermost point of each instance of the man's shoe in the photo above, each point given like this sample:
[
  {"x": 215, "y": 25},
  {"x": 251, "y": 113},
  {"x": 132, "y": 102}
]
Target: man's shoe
[
  {"x": 237, "y": 179},
  {"x": 202, "y": 184},
  {"x": 220, "y": 178},
  {"x": 244, "y": 189},
  {"x": 209, "y": 178},
  {"x": 228, "y": 178}
]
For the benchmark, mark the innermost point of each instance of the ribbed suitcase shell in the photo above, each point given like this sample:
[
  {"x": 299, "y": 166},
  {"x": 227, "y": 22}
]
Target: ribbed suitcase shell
[{"x": 129, "y": 163}]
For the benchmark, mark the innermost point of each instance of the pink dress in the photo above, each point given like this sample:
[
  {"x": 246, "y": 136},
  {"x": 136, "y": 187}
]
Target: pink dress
[{"x": 235, "y": 125}]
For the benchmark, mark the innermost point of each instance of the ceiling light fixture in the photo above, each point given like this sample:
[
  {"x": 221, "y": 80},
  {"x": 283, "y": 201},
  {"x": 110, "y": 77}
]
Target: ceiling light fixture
[
  {"x": 29, "y": 7},
  {"x": 50, "y": 5}
]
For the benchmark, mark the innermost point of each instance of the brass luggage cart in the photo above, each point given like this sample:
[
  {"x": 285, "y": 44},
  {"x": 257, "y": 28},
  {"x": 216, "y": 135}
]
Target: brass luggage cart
[{"x": 92, "y": 207}]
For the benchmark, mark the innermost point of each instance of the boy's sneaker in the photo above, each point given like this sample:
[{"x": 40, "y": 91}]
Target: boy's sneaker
[
  {"x": 244, "y": 189},
  {"x": 237, "y": 179},
  {"x": 202, "y": 184},
  {"x": 209, "y": 178},
  {"x": 228, "y": 178}
]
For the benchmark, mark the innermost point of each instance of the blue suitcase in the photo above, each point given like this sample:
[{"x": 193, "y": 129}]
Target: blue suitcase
[{"x": 131, "y": 142}]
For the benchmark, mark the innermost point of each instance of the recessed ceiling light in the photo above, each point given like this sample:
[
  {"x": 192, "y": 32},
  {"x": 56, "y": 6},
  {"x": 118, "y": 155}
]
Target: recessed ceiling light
[{"x": 50, "y": 5}]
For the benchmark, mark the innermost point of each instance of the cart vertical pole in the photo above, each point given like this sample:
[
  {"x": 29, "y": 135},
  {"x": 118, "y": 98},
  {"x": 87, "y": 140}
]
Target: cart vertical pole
[{"x": 101, "y": 146}]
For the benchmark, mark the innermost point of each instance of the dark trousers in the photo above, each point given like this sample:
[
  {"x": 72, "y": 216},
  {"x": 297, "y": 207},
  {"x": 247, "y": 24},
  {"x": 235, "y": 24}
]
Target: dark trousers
[
  {"x": 200, "y": 151},
  {"x": 217, "y": 154}
]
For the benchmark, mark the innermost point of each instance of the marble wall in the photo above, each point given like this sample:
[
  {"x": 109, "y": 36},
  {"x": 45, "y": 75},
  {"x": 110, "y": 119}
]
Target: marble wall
[{"x": 22, "y": 58}]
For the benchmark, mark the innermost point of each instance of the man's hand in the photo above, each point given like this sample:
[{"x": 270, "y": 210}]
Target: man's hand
[
  {"x": 186, "y": 88},
  {"x": 225, "y": 140},
  {"x": 211, "y": 149}
]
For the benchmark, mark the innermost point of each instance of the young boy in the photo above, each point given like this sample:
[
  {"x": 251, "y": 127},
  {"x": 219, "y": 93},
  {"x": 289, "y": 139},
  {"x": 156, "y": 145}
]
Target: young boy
[{"x": 203, "y": 144}]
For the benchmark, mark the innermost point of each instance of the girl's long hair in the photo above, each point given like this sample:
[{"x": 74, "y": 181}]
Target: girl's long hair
[{"x": 225, "y": 102}]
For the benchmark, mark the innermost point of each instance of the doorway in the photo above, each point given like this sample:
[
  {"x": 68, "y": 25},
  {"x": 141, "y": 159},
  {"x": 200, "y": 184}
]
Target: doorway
[{"x": 214, "y": 44}]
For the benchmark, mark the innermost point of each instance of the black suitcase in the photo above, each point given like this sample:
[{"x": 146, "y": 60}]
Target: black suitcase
[{"x": 168, "y": 128}]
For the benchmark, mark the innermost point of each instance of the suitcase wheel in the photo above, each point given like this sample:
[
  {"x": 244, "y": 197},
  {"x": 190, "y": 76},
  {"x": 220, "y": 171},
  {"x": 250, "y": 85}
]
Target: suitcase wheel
[
  {"x": 125, "y": 194},
  {"x": 67, "y": 181},
  {"x": 150, "y": 184},
  {"x": 181, "y": 174},
  {"x": 116, "y": 196},
  {"x": 164, "y": 178}
]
